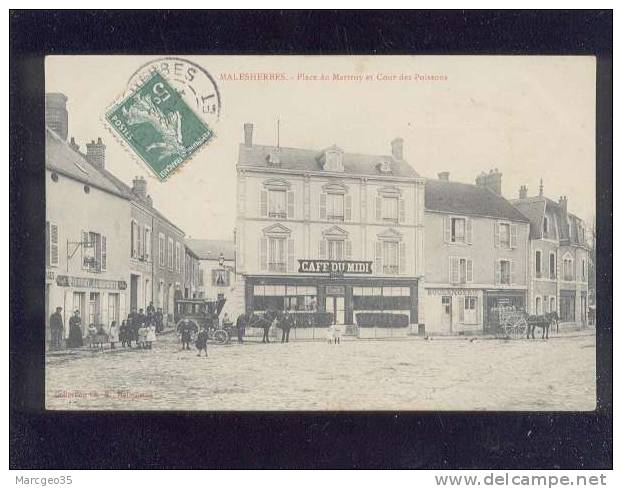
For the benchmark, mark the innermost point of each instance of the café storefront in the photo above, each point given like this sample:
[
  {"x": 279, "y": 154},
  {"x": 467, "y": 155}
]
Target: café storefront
[{"x": 341, "y": 287}]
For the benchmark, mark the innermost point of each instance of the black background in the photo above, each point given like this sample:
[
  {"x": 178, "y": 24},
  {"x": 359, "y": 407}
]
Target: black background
[{"x": 59, "y": 440}]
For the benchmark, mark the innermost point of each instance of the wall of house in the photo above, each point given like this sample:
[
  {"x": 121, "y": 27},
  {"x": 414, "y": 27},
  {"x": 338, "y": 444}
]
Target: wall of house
[
  {"x": 73, "y": 210},
  {"x": 167, "y": 279},
  {"x": 141, "y": 256},
  {"x": 482, "y": 251}
]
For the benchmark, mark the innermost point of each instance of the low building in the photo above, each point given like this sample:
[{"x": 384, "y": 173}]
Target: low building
[
  {"x": 329, "y": 230},
  {"x": 86, "y": 248},
  {"x": 476, "y": 255},
  {"x": 216, "y": 267},
  {"x": 559, "y": 258}
]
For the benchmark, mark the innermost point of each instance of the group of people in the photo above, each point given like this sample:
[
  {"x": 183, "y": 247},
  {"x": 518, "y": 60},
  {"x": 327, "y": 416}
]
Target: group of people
[{"x": 139, "y": 327}]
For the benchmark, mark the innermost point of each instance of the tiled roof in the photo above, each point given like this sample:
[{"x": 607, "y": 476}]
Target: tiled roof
[
  {"x": 309, "y": 160},
  {"x": 467, "y": 199},
  {"x": 210, "y": 249},
  {"x": 533, "y": 209},
  {"x": 61, "y": 158},
  {"x": 127, "y": 190}
]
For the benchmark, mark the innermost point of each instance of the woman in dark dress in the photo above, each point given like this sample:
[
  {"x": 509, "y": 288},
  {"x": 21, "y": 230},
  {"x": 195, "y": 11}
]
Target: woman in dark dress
[
  {"x": 75, "y": 331},
  {"x": 201, "y": 342}
]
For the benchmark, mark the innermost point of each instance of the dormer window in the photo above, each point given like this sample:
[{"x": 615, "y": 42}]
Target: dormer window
[
  {"x": 385, "y": 166},
  {"x": 274, "y": 158},
  {"x": 333, "y": 159},
  {"x": 545, "y": 225}
]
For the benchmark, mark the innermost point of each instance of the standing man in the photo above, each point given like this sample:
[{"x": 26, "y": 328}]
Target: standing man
[
  {"x": 286, "y": 325},
  {"x": 240, "y": 324},
  {"x": 159, "y": 319},
  {"x": 57, "y": 328}
]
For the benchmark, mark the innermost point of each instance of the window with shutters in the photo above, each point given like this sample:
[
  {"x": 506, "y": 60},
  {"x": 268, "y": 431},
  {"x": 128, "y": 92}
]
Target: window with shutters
[
  {"x": 276, "y": 254},
  {"x": 277, "y": 204},
  {"x": 583, "y": 270},
  {"x": 390, "y": 257},
  {"x": 552, "y": 266},
  {"x": 147, "y": 253},
  {"x": 52, "y": 254},
  {"x": 134, "y": 239},
  {"x": 538, "y": 264},
  {"x": 178, "y": 257},
  {"x": 390, "y": 209},
  {"x": 460, "y": 270},
  {"x": 94, "y": 253},
  {"x": 458, "y": 230},
  {"x": 504, "y": 235},
  {"x": 505, "y": 272},
  {"x": 161, "y": 244},
  {"x": 335, "y": 249},
  {"x": 335, "y": 207},
  {"x": 170, "y": 254}
]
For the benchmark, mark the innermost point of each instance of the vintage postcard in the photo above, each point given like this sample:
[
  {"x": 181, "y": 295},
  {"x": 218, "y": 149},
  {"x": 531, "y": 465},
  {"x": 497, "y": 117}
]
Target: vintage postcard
[{"x": 240, "y": 233}]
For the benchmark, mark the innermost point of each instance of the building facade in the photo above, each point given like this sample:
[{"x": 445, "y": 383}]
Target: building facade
[
  {"x": 86, "y": 257},
  {"x": 328, "y": 230},
  {"x": 476, "y": 255},
  {"x": 216, "y": 276},
  {"x": 559, "y": 258}
]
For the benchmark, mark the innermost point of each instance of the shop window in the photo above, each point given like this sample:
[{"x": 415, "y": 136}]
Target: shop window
[
  {"x": 468, "y": 310},
  {"x": 281, "y": 297},
  {"x": 386, "y": 298}
]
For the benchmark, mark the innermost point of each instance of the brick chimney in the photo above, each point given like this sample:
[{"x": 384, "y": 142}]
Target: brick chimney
[
  {"x": 56, "y": 117},
  {"x": 541, "y": 193},
  {"x": 522, "y": 192},
  {"x": 397, "y": 149},
  {"x": 96, "y": 153},
  {"x": 248, "y": 134},
  {"x": 491, "y": 180},
  {"x": 563, "y": 204},
  {"x": 139, "y": 187},
  {"x": 444, "y": 175},
  {"x": 73, "y": 145}
]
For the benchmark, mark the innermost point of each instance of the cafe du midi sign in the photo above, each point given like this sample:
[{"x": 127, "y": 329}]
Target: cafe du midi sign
[{"x": 334, "y": 268}]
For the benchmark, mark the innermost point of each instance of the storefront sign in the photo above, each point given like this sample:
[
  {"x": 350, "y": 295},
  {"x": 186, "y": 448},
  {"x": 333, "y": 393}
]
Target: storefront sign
[
  {"x": 90, "y": 283},
  {"x": 468, "y": 292},
  {"x": 334, "y": 267}
]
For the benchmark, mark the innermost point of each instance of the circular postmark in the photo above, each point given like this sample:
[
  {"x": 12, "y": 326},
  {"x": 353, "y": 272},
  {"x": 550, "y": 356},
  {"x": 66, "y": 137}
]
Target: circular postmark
[{"x": 193, "y": 83}]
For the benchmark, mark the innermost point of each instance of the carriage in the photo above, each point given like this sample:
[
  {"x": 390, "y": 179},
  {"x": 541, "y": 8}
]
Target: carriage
[
  {"x": 512, "y": 322},
  {"x": 203, "y": 313}
]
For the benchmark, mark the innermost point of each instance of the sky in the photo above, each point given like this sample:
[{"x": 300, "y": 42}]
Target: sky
[{"x": 531, "y": 117}]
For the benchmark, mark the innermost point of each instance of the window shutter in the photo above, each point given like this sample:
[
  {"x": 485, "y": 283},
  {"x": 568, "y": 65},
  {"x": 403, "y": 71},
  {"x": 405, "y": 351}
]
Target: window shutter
[
  {"x": 447, "y": 229},
  {"x": 468, "y": 230},
  {"x": 461, "y": 309},
  {"x": 402, "y": 211},
  {"x": 53, "y": 244},
  {"x": 85, "y": 242},
  {"x": 469, "y": 270},
  {"x": 264, "y": 203},
  {"x": 348, "y": 209},
  {"x": 513, "y": 233},
  {"x": 322, "y": 206},
  {"x": 104, "y": 259},
  {"x": 497, "y": 272},
  {"x": 378, "y": 208},
  {"x": 496, "y": 234},
  {"x": 512, "y": 273},
  {"x": 139, "y": 249},
  {"x": 290, "y": 205},
  {"x": 402, "y": 263},
  {"x": 263, "y": 253},
  {"x": 322, "y": 249},
  {"x": 348, "y": 249},
  {"x": 291, "y": 254},
  {"x": 378, "y": 260},
  {"x": 454, "y": 264}
]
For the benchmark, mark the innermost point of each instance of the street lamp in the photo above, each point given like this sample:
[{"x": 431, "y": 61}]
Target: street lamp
[{"x": 221, "y": 260}]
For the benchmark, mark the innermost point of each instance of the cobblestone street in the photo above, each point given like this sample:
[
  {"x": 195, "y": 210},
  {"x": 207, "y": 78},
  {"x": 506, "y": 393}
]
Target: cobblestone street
[{"x": 407, "y": 374}]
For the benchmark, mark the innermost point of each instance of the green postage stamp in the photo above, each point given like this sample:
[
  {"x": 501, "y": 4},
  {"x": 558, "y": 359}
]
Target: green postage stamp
[{"x": 159, "y": 126}]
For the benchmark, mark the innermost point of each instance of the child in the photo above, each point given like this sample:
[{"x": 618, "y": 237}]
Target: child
[
  {"x": 113, "y": 336},
  {"x": 123, "y": 333},
  {"x": 151, "y": 336},
  {"x": 142, "y": 337},
  {"x": 92, "y": 332},
  {"x": 201, "y": 342}
]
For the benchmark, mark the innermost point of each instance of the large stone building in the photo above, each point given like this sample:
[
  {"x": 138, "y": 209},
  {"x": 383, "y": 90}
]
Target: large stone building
[
  {"x": 559, "y": 257},
  {"x": 86, "y": 243},
  {"x": 476, "y": 254},
  {"x": 331, "y": 230}
]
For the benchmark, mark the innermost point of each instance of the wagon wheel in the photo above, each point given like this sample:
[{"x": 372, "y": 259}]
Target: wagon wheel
[
  {"x": 508, "y": 330},
  {"x": 521, "y": 328},
  {"x": 221, "y": 336}
]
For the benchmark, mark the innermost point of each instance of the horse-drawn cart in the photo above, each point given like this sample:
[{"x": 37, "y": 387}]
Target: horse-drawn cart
[
  {"x": 512, "y": 322},
  {"x": 203, "y": 313}
]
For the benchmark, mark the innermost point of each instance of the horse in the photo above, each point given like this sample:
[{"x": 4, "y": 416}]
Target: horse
[
  {"x": 544, "y": 321},
  {"x": 264, "y": 321}
]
